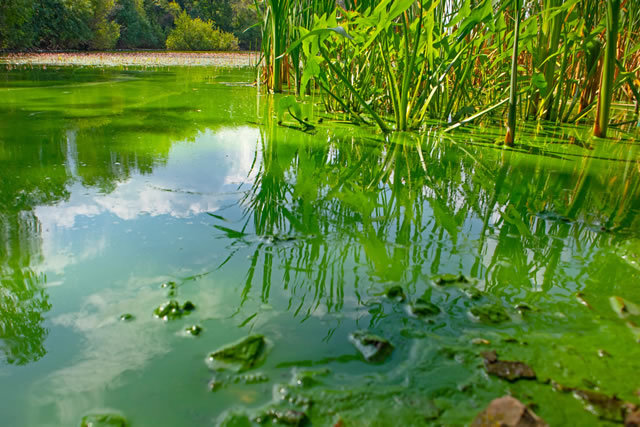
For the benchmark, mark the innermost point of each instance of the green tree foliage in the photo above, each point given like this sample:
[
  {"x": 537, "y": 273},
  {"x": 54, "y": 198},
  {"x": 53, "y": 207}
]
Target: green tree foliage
[
  {"x": 14, "y": 14},
  {"x": 61, "y": 24},
  {"x": 219, "y": 11},
  {"x": 161, "y": 15},
  {"x": 127, "y": 24},
  {"x": 196, "y": 34},
  {"x": 105, "y": 31},
  {"x": 135, "y": 28},
  {"x": 244, "y": 24}
]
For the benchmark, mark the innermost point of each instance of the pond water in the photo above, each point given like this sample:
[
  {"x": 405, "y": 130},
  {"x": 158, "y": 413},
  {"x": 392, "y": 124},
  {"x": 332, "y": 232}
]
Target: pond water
[{"x": 114, "y": 182}]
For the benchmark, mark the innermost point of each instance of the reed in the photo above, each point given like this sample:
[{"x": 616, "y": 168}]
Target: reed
[
  {"x": 608, "y": 69},
  {"x": 400, "y": 65},
  {"x": 511, "y": 122}
]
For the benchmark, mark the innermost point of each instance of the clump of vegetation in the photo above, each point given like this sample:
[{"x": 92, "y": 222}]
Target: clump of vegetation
[
  {"x": 402, "y": 64},
  {"x": 372, "y": 347},
  {"x": 105, "y": 36},
  {"x": 173, "y": 310},
  {"x": 106, "y": 420},
  {"x": 196, "y": 34},
  {"x": 122, "y": 24},
  {"x": 490, "y": 313},
  {"x": 239, "y": 356}
]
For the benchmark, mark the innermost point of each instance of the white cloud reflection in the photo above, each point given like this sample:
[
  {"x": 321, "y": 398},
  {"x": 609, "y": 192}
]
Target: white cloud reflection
[{"x": 196, "y": 179}]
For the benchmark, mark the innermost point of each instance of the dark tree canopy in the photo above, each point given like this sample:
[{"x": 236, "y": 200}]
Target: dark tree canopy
[{"x": 121, "y": 24}]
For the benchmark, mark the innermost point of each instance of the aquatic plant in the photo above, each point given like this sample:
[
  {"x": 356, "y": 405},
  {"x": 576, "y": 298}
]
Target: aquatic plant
[
  {"x": 608, "y": 68},
  {"x": 402, "y": 64}
]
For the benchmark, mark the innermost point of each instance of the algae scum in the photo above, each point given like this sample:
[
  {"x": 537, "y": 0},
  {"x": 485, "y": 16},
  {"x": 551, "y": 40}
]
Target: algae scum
[{"x": 170, "y": 255}]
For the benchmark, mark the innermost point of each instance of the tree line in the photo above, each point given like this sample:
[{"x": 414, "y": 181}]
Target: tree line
[{"x": 128, "y": 24}]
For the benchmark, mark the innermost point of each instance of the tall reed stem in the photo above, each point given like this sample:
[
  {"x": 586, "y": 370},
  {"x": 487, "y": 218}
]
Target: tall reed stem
[
  {"x": 608, "y": 70},
  {"x": 513, "y": 91}
]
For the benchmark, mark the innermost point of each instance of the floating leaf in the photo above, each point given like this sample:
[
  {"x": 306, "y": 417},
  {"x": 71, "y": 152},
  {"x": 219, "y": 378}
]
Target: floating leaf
[
  {"x": 507, "y": 411},
  {"x": 289, "y": 417},
  {"x": 194, "y": 330},
  {"x": 608, "y": 407},
  {"x": 490, "y": 313},
  {"x": 448, "y": 279},
  {"x": 624, "y": 308},
  {"x": 173, "y": 310},
  {"x": 103, "y": 420},
  {"x": 372, "y": 347},
  {"x": 395, "y": 293},
  {"x": 240, "y": 356},
  {"x": 508, "y": 370},
  {"x": 127, "y": 317},
  {"x": 423, "y": 308}
]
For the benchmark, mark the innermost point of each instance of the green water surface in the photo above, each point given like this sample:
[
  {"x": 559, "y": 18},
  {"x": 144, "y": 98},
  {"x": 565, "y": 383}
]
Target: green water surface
[{"x": 113, "y": 182}]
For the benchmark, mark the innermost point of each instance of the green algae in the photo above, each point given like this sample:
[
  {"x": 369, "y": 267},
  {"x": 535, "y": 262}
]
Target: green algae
[
  {"x": 306, "y": 378},
  {"x": 171, "y": 287},
  {"x": 629, "y": 251},
  {"x": 311, "y": 237},
  {"x": 284, "y": 416},
  {"x": 490, "y": 313},
  {"x": 358, "y": 406},
  {"x": 508, "y": 411},
  {"x": 509, "y": 370},
  {"x": 372, "y": 347},
  {"x": 194, "y": 330},
  {"x": 172, "y": 310},
  {"x": 244, "y": 354},
  {"x": 103, "y": 420},
  {"x": 396, "y": 293},
  {"x": 222, "y": 379},
  {"x": 235, "y": 419},
  {"x": 448, "y": 279}
]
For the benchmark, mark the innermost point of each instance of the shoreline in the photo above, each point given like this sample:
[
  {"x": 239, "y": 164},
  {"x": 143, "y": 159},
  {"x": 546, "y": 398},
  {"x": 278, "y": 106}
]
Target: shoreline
[{"x": 133, "y": 58}]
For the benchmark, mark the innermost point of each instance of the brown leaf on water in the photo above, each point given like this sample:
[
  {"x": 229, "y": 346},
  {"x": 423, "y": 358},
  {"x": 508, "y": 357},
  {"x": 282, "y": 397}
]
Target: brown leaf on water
[
  {"x": 606, "y": 407},
  {"x": 633, "y": 419},
  {"x": 509, "y": 370},
  {"x": 600, "y": 404},
  {"x": 507, "y": 411}
]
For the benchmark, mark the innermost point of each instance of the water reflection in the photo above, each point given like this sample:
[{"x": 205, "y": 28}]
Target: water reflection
[
  {"x": 118, "y": 190},
  {"x": 526, "y": 226},
  {"x": 72, "y": 153},
  {"x": 22, "y": 300},
  {"x": 30, "y": 177}
]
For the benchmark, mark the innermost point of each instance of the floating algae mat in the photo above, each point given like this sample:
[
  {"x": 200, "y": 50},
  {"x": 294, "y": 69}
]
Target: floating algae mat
[{"x": 170, "y": 255}]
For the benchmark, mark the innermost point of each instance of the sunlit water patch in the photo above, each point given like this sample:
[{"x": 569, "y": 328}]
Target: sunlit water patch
[{"x": 149, "y": 219}]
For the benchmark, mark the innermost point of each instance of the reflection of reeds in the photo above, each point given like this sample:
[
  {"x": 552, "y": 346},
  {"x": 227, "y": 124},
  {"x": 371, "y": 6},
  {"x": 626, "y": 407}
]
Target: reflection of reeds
[{"x": 332, "y": 214}]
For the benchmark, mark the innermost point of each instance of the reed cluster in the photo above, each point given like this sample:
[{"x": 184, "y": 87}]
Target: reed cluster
[{"x": 403, "y": 63}]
